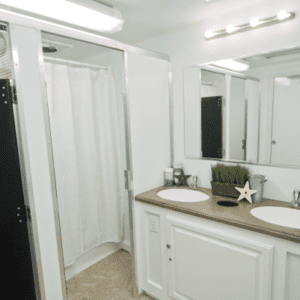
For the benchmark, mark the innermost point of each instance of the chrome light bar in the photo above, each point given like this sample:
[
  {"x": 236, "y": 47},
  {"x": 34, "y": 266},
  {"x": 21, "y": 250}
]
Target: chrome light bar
[{"x": 254, "y": 23}]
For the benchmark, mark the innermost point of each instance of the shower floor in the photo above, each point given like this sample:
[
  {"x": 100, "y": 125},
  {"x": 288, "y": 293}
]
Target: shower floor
[{"x": 108, "y": 279}]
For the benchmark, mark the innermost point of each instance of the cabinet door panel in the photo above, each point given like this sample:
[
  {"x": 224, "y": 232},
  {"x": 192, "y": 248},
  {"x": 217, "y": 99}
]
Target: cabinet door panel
[
  {"x": 153, "y": 274},
  {"x": 292, "y": 289},
  {"x": 208, "y": 265}
]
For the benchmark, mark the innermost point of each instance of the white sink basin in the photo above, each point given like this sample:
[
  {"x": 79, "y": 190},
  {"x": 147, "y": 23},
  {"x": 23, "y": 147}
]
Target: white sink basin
[
  {"x": 282, "y": 216},
  {"x": 183, "y": 195}
]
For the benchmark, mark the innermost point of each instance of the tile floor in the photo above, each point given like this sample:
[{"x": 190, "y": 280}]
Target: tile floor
[{"x": 109, "y": 279}]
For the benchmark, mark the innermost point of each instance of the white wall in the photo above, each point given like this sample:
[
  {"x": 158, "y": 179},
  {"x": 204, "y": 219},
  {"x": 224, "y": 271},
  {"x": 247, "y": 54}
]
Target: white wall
[
  {"x": 148, "y": 94},
  {"x": 253, "y": 125},
  {"x": 286, "y": 123},
  {"x": 192, "y": 110},
  {"x": 237, "y": 118},
  {"x": 188, "y": 47}
]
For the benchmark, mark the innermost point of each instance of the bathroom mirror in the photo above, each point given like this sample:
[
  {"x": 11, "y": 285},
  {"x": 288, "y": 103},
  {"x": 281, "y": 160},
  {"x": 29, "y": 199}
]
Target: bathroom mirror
[{"x": 244, "y": 110}]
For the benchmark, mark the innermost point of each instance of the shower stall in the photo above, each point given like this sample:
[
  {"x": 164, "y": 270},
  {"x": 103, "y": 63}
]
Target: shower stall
[{"x": 92, "y": 130}]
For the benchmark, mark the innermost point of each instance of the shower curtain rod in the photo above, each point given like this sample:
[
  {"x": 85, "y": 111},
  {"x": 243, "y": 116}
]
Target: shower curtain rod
[{"x": 54, "y": 59}]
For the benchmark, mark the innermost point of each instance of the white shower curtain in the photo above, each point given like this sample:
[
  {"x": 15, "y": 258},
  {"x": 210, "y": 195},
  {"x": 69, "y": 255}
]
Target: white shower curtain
[{"x": 87, "y": 159}]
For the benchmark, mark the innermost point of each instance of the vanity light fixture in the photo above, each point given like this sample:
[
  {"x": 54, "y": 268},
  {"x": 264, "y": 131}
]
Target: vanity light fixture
[
  {"x": 209, "y": 34},
  {"x": 283, "y": 15},
  {"x": 232, "y": 65},
  {"x": 254, "y": 23},
  {"x": 230, "y": 28},
  {"x": 88, "y": 14}
]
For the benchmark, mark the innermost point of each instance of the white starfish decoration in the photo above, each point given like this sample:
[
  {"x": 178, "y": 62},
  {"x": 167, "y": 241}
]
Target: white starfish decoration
[{"x": 246, "y": 192}]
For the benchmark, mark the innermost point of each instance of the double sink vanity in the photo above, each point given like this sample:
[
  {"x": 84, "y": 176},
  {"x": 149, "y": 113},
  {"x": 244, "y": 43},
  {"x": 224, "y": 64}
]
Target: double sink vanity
[
  {"x": 192, "y": 245},
  {"x": 195, "y": 245},
  {"x": 277, "y": 215}
]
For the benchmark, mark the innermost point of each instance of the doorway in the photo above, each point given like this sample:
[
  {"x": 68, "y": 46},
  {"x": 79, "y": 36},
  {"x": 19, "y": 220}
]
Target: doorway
[{"x": 85, "y": 90}]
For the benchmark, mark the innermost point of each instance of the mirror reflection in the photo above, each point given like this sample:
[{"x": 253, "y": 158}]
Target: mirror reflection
[
  {"x": 212, "y": 97},
  {"x": 244, "y": 110}
]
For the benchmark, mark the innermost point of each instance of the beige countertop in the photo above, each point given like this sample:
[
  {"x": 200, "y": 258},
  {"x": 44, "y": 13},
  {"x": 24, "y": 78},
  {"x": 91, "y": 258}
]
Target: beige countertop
[{"x": 238, "y": 216}]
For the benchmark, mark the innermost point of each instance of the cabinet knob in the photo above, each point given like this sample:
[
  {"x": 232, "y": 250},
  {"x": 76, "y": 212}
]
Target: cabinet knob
[{"x": 168, "y": 246}]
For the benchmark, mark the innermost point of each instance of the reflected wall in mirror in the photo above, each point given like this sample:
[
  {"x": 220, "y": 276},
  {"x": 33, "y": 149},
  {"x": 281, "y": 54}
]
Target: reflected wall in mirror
[
  {"x": 285, "y": 143},
  {"x": 244, "y": 110}
]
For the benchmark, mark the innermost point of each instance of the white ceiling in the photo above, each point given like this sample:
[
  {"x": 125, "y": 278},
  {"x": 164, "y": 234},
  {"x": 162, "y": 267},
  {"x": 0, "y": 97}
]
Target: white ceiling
[
  {"x": 148, "y": 18},
  {"x": 145, "y": 19}
]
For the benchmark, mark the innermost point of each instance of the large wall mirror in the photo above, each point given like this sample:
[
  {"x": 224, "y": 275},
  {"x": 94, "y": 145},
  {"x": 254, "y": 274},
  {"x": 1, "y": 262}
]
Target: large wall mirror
[{"x": 244, "y": 110}]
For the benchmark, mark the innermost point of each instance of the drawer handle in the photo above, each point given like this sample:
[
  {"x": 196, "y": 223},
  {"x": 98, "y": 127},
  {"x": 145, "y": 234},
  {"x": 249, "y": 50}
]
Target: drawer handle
[{"x": 168, "y": 246}]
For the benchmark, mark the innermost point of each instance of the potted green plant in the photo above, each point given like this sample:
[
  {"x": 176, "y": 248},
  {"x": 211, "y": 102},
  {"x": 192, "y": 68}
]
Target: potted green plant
[{"x": 225, "y": 178}]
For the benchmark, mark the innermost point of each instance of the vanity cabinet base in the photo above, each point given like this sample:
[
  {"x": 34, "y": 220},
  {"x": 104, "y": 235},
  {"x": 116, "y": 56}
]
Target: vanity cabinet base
[
  {"x": 184, "y": 257},
  {"x": 209, "y": 265}
]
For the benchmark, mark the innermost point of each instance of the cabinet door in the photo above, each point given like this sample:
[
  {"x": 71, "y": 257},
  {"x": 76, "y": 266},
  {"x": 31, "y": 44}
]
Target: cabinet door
[
  {"x": 210, "y": 265},
  {"x": 153, "y": 250}
]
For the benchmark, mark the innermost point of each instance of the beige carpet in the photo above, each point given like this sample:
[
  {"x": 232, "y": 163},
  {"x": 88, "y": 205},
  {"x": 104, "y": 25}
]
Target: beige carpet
[{"x": 108, "y": 279}]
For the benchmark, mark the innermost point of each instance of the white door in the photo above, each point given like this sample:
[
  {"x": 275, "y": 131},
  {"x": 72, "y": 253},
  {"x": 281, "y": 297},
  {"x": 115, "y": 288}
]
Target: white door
[
  {"x": 286, "y": 121},
  {"x": 208, "y": 265}
]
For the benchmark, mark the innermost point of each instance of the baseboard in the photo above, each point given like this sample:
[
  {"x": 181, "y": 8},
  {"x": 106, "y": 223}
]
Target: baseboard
[
  {"x": 91, "y": 257},
  {"x": 126, "y": 246},
  {"x": 95, "y": 255},
  {"x": 149, "y": 295}
]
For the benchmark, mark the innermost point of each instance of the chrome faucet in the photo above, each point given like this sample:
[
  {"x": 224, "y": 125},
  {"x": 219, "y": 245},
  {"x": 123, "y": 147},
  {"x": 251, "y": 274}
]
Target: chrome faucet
[
  {"x": 194, "y": 183},
  {"x": 296, "y": 200}
]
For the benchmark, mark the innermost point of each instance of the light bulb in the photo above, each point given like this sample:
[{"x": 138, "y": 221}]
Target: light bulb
[
  {"x": 254, "y": 22},
  {"x": 230, "y": 28},
  {"x": 283, "y": 15},
  {"x": 209, "y": 34}
]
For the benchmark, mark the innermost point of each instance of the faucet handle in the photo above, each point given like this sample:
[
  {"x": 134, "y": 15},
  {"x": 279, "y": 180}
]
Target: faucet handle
[
  {"x": 194, "y": 183},
  {"x": 296, "y": 194}
]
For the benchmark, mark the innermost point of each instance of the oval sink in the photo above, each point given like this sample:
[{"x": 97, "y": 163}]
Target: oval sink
[
  {"x": 183, "y": 195},
  {"x": 282, "y": 216}
]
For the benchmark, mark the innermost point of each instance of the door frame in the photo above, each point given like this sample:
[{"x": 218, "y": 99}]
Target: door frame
[
  {"x": 271, "y": 100},
  {"x": 27, "y": 19},
  {"x": 25, "y": 170}
]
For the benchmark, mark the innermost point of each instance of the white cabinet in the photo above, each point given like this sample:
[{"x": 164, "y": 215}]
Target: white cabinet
[
  {"x": 152, "y": 253},
  {"x": 184, "y": 257},
  {"x": 208, "y": 265}
]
